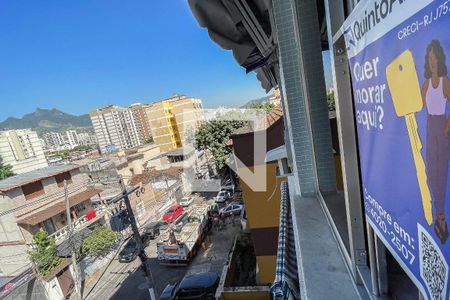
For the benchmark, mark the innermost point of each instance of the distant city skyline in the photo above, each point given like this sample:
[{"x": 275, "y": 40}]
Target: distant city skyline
[{"x": 90, "y": 60}]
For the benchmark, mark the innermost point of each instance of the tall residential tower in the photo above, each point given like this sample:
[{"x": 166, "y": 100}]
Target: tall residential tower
[
  {"x": 115, "y": 128},
  {"x": 22, "y": 149},
  {"x": 141, "y": 120}
]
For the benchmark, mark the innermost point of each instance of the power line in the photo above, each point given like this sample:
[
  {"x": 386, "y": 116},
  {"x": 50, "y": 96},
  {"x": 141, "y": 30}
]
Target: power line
[
  {"x": 59, "y": 193},
  {"x": 56, "y": 194}
]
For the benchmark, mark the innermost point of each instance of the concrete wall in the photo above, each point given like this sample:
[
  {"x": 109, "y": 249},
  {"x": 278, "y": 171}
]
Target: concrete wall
[
  {"x": 245, "y": 295},
  {"x": 28, "y": 231},
  {"x": 262, "y": 212},
  {"x": 9, "y": 230},
  {"x": 13, "y": 257},
  {"x": 263, "y": 216},
  {"x": 267, "y": 265},
  {"x": 13, "y": 260},
  {"x": 53, "y": 289},
  {"x": 150, "y": 151},
  {"x": 144, "y": 205}
]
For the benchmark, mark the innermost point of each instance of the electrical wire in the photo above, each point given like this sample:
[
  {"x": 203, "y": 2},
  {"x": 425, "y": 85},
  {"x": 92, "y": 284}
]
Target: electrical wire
[{"x": 57, "y": 194}]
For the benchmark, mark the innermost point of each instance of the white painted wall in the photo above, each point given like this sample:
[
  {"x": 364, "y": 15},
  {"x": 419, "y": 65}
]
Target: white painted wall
[
  {"x": 53, "y": 289},
  {"x": 32, "y": 145}
]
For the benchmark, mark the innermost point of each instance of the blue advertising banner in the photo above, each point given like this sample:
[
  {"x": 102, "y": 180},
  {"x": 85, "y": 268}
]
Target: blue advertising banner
[{"x": 399, "y": 55}]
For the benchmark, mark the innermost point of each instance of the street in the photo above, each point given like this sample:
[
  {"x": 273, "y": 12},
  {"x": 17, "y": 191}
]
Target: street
[{"x": 126, "y": 280}]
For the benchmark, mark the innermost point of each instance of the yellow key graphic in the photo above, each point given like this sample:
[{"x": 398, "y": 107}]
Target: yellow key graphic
[{"x": 404, "y": 86}]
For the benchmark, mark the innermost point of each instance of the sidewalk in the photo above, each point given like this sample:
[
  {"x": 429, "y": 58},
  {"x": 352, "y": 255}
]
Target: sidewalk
[{"x": 218, "y": 244}]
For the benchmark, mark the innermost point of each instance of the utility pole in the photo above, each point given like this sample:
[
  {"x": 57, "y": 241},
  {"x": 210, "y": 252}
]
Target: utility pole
[
  {"x": 137, "y": 237},
  {"x": 76, "y": 273},
  {"x": 169, "y": 192}
]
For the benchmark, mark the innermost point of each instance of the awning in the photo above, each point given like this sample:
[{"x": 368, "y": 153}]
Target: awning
[
  {"x": 53, "y": 209},
  {"x": 285, "y": 286},
  {"x": 242, "y": 27}
]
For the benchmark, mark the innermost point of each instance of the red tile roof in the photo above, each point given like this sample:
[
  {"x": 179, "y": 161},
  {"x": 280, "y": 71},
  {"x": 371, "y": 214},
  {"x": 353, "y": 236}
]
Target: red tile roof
[
  {"x": 139, "y": 178},
  {"x": 172, "y": 171},
  {"x": 272, "y": 117},
  {"x": 153, "y": 173}
]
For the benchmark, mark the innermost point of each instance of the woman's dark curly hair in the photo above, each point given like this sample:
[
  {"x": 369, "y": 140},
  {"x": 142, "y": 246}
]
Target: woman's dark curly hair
[{"x": 435, "y": 45}]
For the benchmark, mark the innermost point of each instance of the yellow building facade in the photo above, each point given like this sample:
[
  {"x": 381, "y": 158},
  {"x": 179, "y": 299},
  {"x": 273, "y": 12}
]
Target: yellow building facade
[
  {"x": 262, "y": 206},
  {"x": 172, "y": 119}
]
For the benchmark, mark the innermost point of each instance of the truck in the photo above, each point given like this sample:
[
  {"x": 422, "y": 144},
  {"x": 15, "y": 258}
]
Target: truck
[{"x": 179, "y": 243}]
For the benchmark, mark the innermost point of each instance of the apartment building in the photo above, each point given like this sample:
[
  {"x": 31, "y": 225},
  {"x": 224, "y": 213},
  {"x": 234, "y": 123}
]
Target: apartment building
[
  {"x": 188, "y": 114},
  {"x": 115, "y": 128},
  {"x": 22, "y": 150},
  {"x": 72, "y": 138},
  {"x": 43, "y": 190},
  {"x": 53, "y": 140},
  {"x": 171, "y": 119},
  {"x": 85, "y": 138},
  {"x": 142, "y": 121}
]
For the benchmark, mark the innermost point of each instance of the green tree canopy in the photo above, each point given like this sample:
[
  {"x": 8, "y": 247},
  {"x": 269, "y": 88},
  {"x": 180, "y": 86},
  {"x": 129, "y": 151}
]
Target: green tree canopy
[
  {"x": 213, "y": 135},
  {"x": 99, "y": 241},
  {"x": 82, "y": 148},
  {"x": 43, "y": 253},
  {"x": 330, "y": 101},
  {"x": 5, "y": 170},
  {"x": 266, "y": 106}
]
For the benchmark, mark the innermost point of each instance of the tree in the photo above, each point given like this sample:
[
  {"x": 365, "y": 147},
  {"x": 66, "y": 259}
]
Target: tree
[
  {"x": 149, "y": 140},
  {"x": 266, "y": 106},
  {"x": 43, "y": 253},
  {"x": 5, "y": 170},
  {"x": 214, "y": 134},
  {"x": 330, "y": 101},
  {"x": 101, "y": 240},
  {"x": 63, "y": 153},
  {"x": 81, "y": 148}
]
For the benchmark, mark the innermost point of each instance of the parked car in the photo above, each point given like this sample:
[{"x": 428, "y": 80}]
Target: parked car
[
  {"x": 231, "y": 209},
  {"x": 186, "y": 201},
  {"x": 173, "y": 213},
  {"x": 198, "y": 286},
  {"x": 129, "y": 252},
  {"x": 227, "y": 185},
  {"x": 151, "y": 230},
  {"x": 222, "y": 196}
]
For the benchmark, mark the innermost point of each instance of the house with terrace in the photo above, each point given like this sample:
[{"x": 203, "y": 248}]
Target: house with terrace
[{"x": 35, "y": 201}]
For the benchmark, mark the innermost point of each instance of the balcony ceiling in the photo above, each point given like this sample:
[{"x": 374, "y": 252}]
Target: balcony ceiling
[
  {"x": 55, "y": 208},
  {"x": 226, "y": 27}
]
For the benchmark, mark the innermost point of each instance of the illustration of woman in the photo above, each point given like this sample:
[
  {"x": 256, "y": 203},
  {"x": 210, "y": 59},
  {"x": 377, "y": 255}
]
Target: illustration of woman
[{"x": 435, "y": 94}]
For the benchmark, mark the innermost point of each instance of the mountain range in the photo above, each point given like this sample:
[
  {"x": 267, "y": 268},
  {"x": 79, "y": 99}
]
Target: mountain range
[{"x": 46, "y": 120}]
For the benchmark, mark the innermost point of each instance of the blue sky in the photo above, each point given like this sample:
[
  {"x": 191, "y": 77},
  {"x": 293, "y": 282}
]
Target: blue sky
[{"x": 80, "y": 55}]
